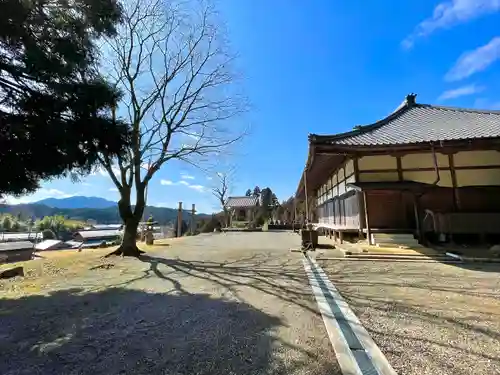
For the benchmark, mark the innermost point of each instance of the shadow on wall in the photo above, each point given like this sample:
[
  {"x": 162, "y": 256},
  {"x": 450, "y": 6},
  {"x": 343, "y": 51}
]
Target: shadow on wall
[{"x": 124, "y": 331}]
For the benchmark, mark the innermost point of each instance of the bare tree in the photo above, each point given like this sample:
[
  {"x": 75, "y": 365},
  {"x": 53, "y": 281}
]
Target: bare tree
[
  {"x": 222, "y": 190},
  {"x": 171, "y": 63}
]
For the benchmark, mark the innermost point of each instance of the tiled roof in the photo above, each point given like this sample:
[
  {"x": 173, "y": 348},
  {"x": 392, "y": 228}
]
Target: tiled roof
[
  {"x": 107, "y": 226},
  {"x": 19, "y": 236},
  {"x": 242, "y": 201},
  {"x": 95, "y": 234},
  {"x": 21, "y": 245},
  {"x": 419, "y": 123},
  {"x": 47, "y": 244}
]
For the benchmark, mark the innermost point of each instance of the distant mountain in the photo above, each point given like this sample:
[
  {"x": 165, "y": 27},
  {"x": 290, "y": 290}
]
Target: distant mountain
[
  {"x": 77, "y": 202},
  {"x": 108, "y": 215}
]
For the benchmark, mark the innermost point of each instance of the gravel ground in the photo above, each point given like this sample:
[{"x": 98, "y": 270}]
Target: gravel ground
[
  {"x": 427, "y": 318},
  {"x": 218, "y": 304}
]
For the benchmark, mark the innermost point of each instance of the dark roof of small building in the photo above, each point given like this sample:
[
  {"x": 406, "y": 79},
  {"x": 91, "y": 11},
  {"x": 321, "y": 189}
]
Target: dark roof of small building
[
  {"x": 19, "y": 236},
  {"x": 242, "y": 201},
  {"x": 20, "y": 245},
  {"x": 106, "y": 226},
  {"x": 96, "y": 234},
  {"x": 413, "y": 123},
  {"x": 48, "y": 244}
]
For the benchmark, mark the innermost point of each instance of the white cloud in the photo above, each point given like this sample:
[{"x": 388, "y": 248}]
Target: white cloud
[
  {"x": 461, "y": 91},
  {"x": 103, "y": 172},
  {"x": 186, "y": 176},
  {"x": 475, "y": 61},
  {"x": 184, "y": 183},
  {"x": 451, "y": 13},
  {"x": 113, "y": 189},
  {"x": 199, "y": 188},
  {"x": 209, "y": 178}
]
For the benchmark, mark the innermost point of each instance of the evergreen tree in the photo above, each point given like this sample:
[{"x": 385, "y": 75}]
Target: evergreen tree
[{"x": 55, "y": 113}]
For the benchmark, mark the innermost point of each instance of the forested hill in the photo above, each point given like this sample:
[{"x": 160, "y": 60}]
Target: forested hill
[{"x": 108, "y": 215}]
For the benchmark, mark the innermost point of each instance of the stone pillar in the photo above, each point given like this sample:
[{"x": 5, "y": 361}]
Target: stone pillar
[{"x": 179, "y": 220}]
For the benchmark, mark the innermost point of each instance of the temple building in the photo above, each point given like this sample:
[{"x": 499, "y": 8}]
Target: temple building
[{"x": 425, "y": 170}]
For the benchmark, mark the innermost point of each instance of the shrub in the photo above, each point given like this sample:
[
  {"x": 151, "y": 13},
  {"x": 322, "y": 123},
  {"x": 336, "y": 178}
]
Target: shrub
[
  {"x": 48, "y": 234},
  {"x": 209, "y": 225}
]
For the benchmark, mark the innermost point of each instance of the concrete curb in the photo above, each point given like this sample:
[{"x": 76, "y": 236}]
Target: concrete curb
[
  {"x": 425, "y": 260},
  {"x": 454, "y": 256},
  {"x": 356, "y": 351}
]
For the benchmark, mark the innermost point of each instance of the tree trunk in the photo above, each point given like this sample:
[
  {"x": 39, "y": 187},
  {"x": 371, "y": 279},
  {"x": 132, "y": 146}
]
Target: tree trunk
[{"x": 128, "y": 246}]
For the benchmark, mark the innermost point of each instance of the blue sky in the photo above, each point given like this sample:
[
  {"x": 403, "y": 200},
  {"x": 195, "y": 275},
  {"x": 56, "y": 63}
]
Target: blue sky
[{"x": 324, "y": 66}]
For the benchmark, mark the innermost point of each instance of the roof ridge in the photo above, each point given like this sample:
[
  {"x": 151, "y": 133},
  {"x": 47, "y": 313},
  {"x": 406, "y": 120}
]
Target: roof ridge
[
  {"x": 460, "y": 109},
  {"x": 407, "y": 104}
]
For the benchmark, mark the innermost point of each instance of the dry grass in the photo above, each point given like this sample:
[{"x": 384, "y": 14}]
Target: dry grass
[
  {"x": 76, "y": 223},
  {"x": 62, "y": 263}
]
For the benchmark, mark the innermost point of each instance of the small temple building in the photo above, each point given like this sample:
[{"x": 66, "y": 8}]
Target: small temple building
[
  {"x": 242, "y": 208},
  {"x": 425, "y": 170}
]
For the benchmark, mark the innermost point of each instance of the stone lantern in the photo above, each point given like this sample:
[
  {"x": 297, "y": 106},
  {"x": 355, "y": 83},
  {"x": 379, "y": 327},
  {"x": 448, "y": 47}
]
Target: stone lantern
[{"x": 150, "y": 230}]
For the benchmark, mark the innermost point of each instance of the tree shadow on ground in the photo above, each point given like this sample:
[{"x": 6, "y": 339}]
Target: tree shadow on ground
[
  {"x": 479, "y": 266},
  {"x": 273, "y": 276},
  {"x": 125, "y": 331}
]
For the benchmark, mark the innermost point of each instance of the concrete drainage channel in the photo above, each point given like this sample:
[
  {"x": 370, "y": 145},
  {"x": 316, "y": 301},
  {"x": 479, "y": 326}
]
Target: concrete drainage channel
[{"x": 355, "y": 350}]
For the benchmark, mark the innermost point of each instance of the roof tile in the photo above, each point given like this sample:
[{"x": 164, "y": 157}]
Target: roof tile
[
  {"x": 242, "y": 201},
  {"x": 419, "y": 123}
]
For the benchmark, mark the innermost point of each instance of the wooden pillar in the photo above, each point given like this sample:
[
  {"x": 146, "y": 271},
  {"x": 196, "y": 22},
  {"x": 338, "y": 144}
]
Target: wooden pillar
[
  {"x": 417, "y": 218},
  {"x": 367, "y": 219},
  {"x": 179, "y": 220},
  {"x": 399, "y": 167},
  {"x": 359, "y": 195},
  {"x": 193, "y": 211},
  {"x": 456, "y": 192},
  {"x": 361, "y": 214}
]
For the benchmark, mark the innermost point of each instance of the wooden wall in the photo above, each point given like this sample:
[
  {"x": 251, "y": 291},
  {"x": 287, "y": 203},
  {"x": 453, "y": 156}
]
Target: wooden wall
[
  {"x": 336, "y": 184},
  {"x": 337, "y": 203},
  {"x": 390, "y": 209},
  {"x": 469, "y": 181}
]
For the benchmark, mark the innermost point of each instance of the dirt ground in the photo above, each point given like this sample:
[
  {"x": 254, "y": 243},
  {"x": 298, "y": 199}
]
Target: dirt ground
[
  {"x": 240, "y": 303},
  {"x": 427, "y": 318},
  {"x": 217, "y": 304}
]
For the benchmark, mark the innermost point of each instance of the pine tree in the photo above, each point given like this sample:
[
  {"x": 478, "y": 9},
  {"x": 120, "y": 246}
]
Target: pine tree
[{"x": 55, "y": 112}]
